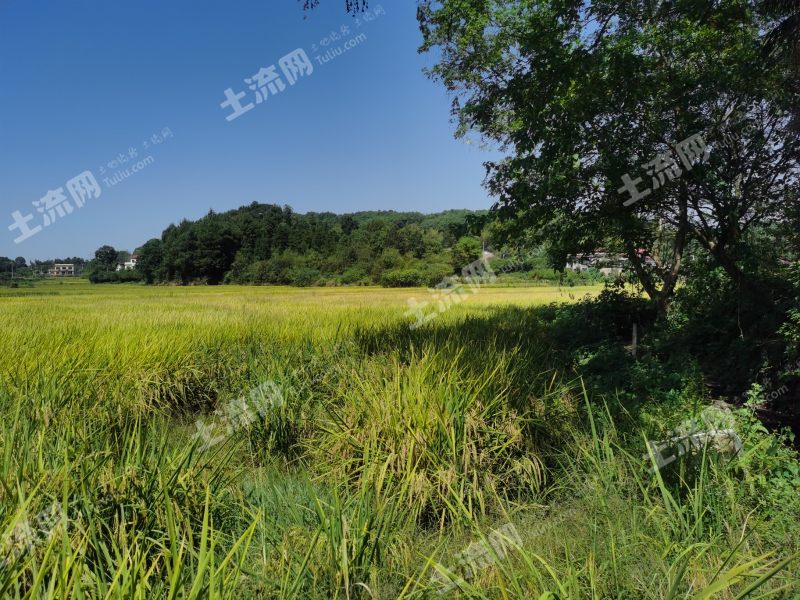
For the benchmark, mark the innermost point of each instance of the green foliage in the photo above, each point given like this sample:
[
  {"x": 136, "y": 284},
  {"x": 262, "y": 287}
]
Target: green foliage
[
  {"x": 579, "y": 95},
  {"x": 436, "y": 271},
  {"x": 267, "y": 244},
  {"x": 392, "y": 451},
  {"x": 466, "y": 250},
  {"x": 124, "y": 276},
  {"x": 791, "y": 329},
  {"x": 106, "y": 258},
  {"x": 277, "y": 269},
  {"x": 151, "y": 257},
  {"x": 733, "y": 331},
  {"x": 402, "y": 278},
  {"x": 768, "y": 469},
  {"x": 263, "y": 244},
  {"x": 355, "y": 275},
  {"x": 305, "y": 276}
]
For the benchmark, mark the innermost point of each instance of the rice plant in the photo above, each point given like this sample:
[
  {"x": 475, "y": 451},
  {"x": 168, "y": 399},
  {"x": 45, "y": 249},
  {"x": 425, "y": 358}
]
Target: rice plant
[{"x": 393, "y": 450}]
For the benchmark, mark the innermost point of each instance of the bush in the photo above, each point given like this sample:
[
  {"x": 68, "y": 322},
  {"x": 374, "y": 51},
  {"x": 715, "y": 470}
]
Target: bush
[
  {"x": 304, "y": 276},
  {"x": 544, "y": 274},
  {"x": 791, "y": 329},
  {"x": 116, "y": 276},
  {"x": 276, "y": 270},
  {"x": 403, "y": 278},
  {"x": 733, "y": 332},
  {"x": 355, "y": 275},
  {"x": 436, "y": 272}
]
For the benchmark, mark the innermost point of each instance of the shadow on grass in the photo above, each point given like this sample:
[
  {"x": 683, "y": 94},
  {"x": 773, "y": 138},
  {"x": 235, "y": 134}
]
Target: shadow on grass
[
  {"x": 679, "y": 361},
  {"x": 553, "y": 348}
]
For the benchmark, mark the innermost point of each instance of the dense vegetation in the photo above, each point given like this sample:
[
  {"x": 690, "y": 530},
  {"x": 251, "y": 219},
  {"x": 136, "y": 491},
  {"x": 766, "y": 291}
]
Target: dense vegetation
[
  {"x": 245, "y": 442},
  {"x": 392, "y": 451},
  {"x": 267, "y": 244},
  {"x": 585, "y": 97}
]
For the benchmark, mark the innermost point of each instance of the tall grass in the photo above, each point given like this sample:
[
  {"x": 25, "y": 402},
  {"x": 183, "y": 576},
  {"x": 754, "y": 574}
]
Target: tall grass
[{"x": 394, "y": 451}]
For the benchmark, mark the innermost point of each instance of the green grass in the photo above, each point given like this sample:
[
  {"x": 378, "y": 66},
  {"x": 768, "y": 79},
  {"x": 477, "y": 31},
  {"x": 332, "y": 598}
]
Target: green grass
[{"x": 393, "y": 451}]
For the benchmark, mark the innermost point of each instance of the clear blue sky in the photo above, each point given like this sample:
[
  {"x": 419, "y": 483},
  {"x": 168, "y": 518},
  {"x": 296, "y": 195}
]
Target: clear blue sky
[{"x": 83, "y": 81}]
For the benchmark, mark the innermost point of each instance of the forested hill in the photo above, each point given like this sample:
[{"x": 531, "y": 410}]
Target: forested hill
[{"x": 265, "y": 243}]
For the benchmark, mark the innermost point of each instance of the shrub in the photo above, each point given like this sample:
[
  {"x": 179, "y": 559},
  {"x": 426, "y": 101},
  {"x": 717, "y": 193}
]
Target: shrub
[
  {"x": 304, "y": 276},
  {"x": 403, "y": 278},
  {"x": 436, "y": 272},
  {"x": 357, "y": 275},
  {"x": 116, "y": 276}
]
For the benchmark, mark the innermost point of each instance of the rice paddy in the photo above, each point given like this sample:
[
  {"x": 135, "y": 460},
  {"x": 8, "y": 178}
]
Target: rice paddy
[{"x": 392, "y": 450}]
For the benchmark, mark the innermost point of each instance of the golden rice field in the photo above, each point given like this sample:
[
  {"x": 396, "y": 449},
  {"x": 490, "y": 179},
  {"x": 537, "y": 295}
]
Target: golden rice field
[{"x": 384, "y": 459}]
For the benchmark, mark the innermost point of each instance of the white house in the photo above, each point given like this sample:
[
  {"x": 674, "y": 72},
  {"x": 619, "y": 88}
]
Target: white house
[
  {"x": 130, "y": 264},
  {"x": 62, "y": 270},
  {"x": 606, "y": 262}
]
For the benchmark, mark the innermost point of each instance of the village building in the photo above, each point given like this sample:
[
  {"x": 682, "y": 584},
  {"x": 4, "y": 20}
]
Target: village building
[
  {"x": 130, "y": 264},
  {"x": 62, "y": 270},
  {"x": 607, "y": 263}
]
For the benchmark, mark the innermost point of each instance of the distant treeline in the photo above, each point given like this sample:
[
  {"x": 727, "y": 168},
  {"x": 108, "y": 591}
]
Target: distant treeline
[
  {"x": 20, "y": 268},
  {"x": 269, "y": 244}
]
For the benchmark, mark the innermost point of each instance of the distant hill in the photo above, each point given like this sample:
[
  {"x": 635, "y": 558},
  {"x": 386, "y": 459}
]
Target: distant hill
[{"x": 267, "y": 243}]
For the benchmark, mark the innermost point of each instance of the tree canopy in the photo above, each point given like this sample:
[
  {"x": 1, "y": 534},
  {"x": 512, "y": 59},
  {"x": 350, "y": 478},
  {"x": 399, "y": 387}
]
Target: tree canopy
[
  {"x": 580, "y": 95},
  {"x": 264, "y": 243}
]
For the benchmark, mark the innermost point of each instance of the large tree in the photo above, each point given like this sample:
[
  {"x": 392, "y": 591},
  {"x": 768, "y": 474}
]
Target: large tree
[
  {"x": 106, "y": 258},
  {"x": 151, "y": 256},
  {"x": 580, "y": 95},
  {"x": 785, "y": 36},
  {"x": 783, "y": 40}
]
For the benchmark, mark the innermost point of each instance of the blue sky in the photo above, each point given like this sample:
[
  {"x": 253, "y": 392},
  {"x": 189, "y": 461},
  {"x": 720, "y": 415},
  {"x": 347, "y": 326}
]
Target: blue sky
[{"x": 84, "y": 81}]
